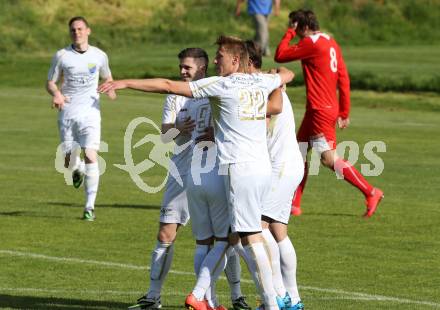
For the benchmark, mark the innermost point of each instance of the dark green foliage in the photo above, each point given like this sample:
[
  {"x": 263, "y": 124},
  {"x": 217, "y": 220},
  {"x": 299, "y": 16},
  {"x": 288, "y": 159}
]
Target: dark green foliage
[{"x": 41, "y": 25}]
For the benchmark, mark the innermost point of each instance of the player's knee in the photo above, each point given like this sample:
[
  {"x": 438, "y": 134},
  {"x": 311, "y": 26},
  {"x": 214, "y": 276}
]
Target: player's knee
[
  {"x": 328, "y": 159},
  {"x": 223, "y": 239},
  {"x": 166, "y": 234},
  {"x": 234, "y": 238},
  {"x": 90, "y": 156}
]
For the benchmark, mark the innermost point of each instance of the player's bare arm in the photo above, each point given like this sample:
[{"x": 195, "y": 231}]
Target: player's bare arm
[
  {"x": 238, "y": 7},
  {"x": 277, "y": 5},
  {"x": 162, "y": 86},
  {"x": 185, "y": 128},
  {"x": 275, "y": 102},
  {"x": 111, "y": 93},
  {"x": 58, "y": 99},
  {"x": 286, "y": 75},
  {"x": 208, "y": 135}
]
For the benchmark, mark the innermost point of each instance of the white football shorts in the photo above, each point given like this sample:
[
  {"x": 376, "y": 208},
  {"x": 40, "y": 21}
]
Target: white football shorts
[
  {"x": 246, "y": 184},
  {"x": 285, "y": 178},
  {"x": 174, "y": 208},
  {"x": 85, "y": 131},
  {"x": 208, "y": 206},
  {"x": 320, "y": 145}
]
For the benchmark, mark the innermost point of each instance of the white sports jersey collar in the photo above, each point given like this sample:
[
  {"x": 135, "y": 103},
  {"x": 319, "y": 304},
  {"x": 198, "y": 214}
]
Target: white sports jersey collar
[
  {"x": 77, "y": 52},
  {"x": 316, "y": 36}
]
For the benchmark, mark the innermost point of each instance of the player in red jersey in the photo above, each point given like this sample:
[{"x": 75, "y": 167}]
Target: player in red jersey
[{"x": 325, "y": 75}]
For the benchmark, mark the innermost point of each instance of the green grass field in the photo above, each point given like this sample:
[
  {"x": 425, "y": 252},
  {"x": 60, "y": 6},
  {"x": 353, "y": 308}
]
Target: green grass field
[
  {"x": 51, "y": 259},
  {"x": 407, "y": 68}
]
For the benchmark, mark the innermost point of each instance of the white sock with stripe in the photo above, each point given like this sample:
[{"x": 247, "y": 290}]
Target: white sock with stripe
[
  {"x": 274, "y": 255},
  {"x": 233, "y": 273},
  {"x": 259, "y": 267},
  {"x": 161, "y": 260}
]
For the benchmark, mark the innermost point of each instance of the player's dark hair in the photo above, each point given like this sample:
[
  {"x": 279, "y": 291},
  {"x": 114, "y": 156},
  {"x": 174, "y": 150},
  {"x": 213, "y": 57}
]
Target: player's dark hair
[
  {"x": 304, "y": 18},
  {"x": 78, "y": 18},
  {"x": 235, "y": 46},
  {"x": 254, "y": 51},
  {"x": 196, "y": 53}
]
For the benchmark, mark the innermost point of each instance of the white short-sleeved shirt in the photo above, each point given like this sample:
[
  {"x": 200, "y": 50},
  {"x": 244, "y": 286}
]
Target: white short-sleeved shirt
[
  {"x": 239, "y": 103},
  {"x": 281, "y": 137},
  {"x": 80, "y": 73},
  {"x": 176, "y": 109}
]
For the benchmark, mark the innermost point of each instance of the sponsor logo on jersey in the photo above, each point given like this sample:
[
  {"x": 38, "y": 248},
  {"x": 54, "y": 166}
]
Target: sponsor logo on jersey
[{"x": 92, "y": 68}]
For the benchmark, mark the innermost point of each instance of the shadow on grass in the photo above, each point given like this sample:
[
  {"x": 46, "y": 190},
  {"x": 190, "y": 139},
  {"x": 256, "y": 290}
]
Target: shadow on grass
[
  {"x": 75, "y": 205},
  {"x": 27, "y": 213},
  {"x": 13, "y": 213},
  {"x": 31, "y": 302},
  {"x": 115, "y": 205},
  {"x": 332, "y": 214}
]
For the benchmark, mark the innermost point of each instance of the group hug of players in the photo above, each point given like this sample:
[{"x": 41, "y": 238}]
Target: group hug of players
[{"x": 241, "y": 123}]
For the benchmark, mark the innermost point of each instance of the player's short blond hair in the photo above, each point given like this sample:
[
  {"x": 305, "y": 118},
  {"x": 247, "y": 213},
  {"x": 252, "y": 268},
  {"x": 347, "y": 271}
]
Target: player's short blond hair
[{"x": 236, "y": 47}]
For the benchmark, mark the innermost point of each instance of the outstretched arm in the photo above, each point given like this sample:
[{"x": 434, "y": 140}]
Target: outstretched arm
[
  {"x": 111, "y": 93},
  {"x": 162, "y": 86}
]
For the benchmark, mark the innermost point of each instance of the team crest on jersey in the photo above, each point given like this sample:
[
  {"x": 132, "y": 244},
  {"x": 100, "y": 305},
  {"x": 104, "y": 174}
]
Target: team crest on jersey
[{"x": 92, "y": 68}]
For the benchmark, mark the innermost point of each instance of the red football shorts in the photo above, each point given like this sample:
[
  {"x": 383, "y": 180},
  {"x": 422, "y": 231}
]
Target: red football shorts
[{"x": 318, "y": 125}]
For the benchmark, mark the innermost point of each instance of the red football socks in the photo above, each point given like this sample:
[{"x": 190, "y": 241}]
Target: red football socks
[
  {"x": 296, "y": 201},
  {"x": 352, "y": 176}
]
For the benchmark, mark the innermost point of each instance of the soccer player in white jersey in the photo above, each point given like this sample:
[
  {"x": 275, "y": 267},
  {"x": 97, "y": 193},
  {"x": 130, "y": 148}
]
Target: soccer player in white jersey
[
  {"x": 239, "y": 103},
  {"x": 287, "y": 172},
  {"x": 80, "y": 66},
  {"x": 208, "y": 207},
  {"x": 191, "y": 117}
]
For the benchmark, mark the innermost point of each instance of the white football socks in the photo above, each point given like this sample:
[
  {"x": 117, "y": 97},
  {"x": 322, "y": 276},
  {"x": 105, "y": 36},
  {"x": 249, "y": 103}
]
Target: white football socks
[
  {"x": 259, "y": 267},
  {"x": 76, "y": 163},
  {"x": 211, "y": 268},
  {"x": 233, "y": 273},
  {"x": 91, "y": 182},
  {"x": 81, "y": 166},
  {"x": 274, "y": 253},
  {"x": 161, "y": 260},
  {"x": 200, "y": 253},
  {"x": 288, "y": 267},
  {"x": 211, "y": 296}
]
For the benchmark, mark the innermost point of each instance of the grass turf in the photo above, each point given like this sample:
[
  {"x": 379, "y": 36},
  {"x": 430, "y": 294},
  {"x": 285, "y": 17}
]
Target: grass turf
[
  {"x": 370, "y": 67},
  {"x": 50, "y": 259}
]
